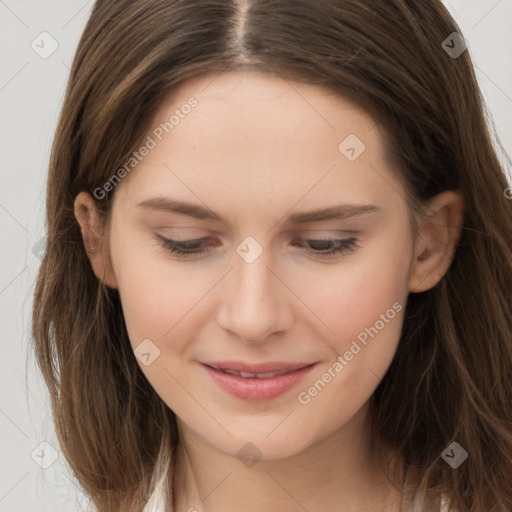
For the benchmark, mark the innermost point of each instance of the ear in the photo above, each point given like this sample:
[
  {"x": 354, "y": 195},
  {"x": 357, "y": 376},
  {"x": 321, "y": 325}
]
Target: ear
[
  {"x": 437, "y": 240},
  {"x": 91, "y": 225}
]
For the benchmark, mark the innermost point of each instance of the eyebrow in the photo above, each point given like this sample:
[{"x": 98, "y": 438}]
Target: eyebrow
[{"x": 339, "y": 212}]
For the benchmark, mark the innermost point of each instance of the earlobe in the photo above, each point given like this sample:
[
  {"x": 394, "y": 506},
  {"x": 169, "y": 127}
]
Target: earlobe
[
  {"x": 91, "y": 226},
  {"x": 437, "y": 240}
]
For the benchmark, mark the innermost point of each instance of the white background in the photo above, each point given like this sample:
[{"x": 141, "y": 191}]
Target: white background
[{"x": 31, "y": 92}]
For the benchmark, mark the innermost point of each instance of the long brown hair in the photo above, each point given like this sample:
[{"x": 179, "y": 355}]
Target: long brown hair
[{"x": 451, "y": 379}]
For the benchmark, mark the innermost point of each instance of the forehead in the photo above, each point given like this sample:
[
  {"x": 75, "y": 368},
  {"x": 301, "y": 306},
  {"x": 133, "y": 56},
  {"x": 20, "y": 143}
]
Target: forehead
[
  {"x": 254, "y": 92},
  {"x": 257, "y": 138}
]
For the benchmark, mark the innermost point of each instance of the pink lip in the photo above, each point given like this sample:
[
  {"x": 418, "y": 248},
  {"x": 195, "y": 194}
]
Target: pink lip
[
  {"x": 254, "y": 389},
  {"x": 239, "y": 366}
]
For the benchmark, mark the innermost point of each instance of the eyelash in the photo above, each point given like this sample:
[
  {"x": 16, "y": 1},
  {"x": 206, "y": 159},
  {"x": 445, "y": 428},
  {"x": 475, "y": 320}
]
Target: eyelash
[{"x": 183, "y": 249}]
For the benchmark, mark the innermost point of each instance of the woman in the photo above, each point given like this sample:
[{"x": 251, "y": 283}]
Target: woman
[{"x": 278, "y": 273}]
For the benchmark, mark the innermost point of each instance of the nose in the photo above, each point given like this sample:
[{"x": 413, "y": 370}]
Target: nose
[{"x": 254, "y": 301}]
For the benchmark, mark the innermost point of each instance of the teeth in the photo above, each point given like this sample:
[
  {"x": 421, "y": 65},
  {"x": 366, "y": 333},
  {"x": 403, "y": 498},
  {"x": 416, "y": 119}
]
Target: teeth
[{"x": 255, "y": 375}]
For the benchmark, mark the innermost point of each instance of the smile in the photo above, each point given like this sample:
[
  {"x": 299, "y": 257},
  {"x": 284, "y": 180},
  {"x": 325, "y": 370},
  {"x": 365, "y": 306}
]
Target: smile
[{"x": 257, "y": 386}]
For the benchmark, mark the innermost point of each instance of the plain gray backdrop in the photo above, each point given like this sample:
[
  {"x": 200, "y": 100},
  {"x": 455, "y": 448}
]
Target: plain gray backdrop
[{"x": 34, "y": 476}]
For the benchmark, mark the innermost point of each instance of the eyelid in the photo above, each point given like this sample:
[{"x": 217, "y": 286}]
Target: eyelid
[
  {"x": 342, "y": 247},
  {"x": 326, "y": 231}
]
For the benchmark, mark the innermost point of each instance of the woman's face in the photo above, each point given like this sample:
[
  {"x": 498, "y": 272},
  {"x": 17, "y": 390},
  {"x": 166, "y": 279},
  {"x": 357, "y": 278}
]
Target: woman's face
[{"x": 254, "y": 156}]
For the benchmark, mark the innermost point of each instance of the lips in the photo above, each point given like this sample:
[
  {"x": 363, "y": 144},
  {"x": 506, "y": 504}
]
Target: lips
[
  {"x": 247, "y": 375},
  {"x": 253, "y": 369},
  {"x": 258, "y": 384}
]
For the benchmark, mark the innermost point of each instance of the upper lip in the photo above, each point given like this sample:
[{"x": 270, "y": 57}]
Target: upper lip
[{"x": 273, "y": 366}]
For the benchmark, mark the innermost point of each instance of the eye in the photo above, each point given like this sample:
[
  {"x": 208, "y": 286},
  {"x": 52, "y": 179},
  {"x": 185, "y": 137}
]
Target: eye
[
  {"x": 323, "y": 247},
  {"x": 185, "y": 248}
]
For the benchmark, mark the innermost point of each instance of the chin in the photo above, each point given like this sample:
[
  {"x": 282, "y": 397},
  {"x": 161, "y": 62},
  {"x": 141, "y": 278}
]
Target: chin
[{"x": 256, "y": 447}]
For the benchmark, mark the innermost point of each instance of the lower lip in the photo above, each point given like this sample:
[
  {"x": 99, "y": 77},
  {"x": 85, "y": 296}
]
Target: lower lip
[{"x": 257, "y": 390}]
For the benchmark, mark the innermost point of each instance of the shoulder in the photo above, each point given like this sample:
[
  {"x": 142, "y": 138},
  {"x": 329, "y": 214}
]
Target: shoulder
[
  {"x": 423, "y": 500},
  {"x": 157, "y": 503},
  {"x": 445, "y": 505}
]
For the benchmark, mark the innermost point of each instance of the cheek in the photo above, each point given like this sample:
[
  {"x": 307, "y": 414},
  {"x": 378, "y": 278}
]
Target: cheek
[
  {"x": 351, "y": 296},
  {"x": 158, "y": 296},
  {"x": 365, "y": 308}
]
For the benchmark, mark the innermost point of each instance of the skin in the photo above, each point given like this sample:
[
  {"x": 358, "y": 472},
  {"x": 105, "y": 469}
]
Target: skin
[{"x": 255, "y": 149}]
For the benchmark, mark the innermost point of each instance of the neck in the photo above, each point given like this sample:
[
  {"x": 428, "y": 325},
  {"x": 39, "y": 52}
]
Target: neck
[{"x": 338, "y": 473}]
